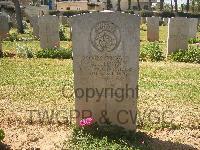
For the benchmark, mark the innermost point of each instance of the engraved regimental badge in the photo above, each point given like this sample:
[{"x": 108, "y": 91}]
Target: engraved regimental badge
[{"x": 105, "y": 36}]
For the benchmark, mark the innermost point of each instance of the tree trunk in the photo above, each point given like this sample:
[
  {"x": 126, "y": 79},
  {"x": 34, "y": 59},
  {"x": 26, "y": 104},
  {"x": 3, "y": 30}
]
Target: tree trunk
[
  {"x": 149, "y": 5},
  {"x": 171, "y": 6},
  {"x": 118, "y": 5},
  {"x": 18, "y": 16},
  {"x": 193, "y": 5},
  {"x": 161, "y": 4},
  {"x": 198, "y": 6},
  {"x": 129, "y": 4},
  {"x": 188, "y": 5},
  {"x": 108, "y": 4},
  {"x": 138, "y": 2},
  {"x": 176, "y": 5}
]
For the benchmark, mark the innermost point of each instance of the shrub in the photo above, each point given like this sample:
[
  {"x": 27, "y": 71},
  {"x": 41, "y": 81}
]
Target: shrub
[
  {"x": 109, "y": 136},
  {"x": 15, "y": 36},
  {"x": 129, "y": 11},
  {"x": 60, "y": 53},
  {"x": 54, "y": 12},
  {"x": 194, "y": 40},
  {"x": 190, "y": 55},
  {"x": 2, "y": 135},
  {"x": 193, "y": 15},
  {"x": 146, "y": 13},
  {"x": 182, "y": 14},
  {"x": 62, "y": 33},
  {"x": 166, "y": 14},
  {"x": 69, "y": 13},
  {"x": 24, "y": 51},
  {"x": 151, "y": 52},
  {"x": 25, "y": 24}
]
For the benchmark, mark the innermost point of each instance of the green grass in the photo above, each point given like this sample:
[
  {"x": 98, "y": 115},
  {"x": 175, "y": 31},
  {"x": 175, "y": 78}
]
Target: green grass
[{"x": 38, "y": 83}]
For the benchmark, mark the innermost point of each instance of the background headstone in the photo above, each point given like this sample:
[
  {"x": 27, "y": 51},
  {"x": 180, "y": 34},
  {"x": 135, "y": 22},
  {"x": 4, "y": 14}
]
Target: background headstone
[
  {"x": 49, "y": 31},
  {"x": 34, "y": 24},
  {"x": 152, "y": 29},
  {"x": 193, "y": 27},
  {"x": 106, "y": 56},
  {"x": 178, "y": 29},
  {"x": 4, "y": 27}
]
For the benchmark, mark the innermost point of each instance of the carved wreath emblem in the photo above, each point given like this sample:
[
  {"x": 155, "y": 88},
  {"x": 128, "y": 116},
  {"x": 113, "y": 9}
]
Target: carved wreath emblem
[{"x": 105, "y": 36}]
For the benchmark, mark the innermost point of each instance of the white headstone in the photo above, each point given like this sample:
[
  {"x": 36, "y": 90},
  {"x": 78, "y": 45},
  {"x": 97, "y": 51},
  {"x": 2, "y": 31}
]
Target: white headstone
[
  {"x": 106, "y": 62},
  {"x": 193, "y": 28},
  {"x": 152, "y": 29},
  {"x": 34, "y": 23},
  {"x": 178, "y": 29},
  {"x": 4, "y": 27},
  {"x": 49, "y": 31}
]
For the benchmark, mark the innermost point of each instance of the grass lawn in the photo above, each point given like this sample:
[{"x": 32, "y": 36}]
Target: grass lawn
[
  {"x": 168, "y": 104},
  {"x": 28, "y": 84}
]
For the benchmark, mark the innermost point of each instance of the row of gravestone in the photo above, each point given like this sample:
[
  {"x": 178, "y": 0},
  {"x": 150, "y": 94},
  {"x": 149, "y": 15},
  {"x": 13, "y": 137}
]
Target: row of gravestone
[
  {"x": 180, "y": 30},
  {"x": 106, "y": 62},
  {"x": 47, "y": 28}
]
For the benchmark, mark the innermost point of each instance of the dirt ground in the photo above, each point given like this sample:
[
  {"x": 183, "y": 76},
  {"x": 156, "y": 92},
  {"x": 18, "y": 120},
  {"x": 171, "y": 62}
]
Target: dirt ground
[{"x": 23, "y": 135}]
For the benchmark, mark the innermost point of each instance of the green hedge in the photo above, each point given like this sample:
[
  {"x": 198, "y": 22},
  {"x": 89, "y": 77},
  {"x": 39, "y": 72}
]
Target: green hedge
[
  {"x": 168, "y": 14},
  {"x": 191, "y": 55},
  {"x": 54, "y": 12},
  {"x": 129, "y": 11},
  {"x": 60, "y": 53},
  {"x": 69, "y": 13},
  {"x": 146, "y": 13},
  {"x": 151, "y": 52}
]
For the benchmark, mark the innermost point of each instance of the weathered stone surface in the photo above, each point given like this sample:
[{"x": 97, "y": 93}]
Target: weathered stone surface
[
  {"x": 4, "y": 27},
  {"x": 105, "y": 51},
  {"x": 178, "y": 29},
  {"x": 36, "y": 11},
  {"x": 152, "y": 29},
  {"x": 193, "y": 28},
  {"x": 34, "y": 24},
  {"x": 49, "y": 31}
]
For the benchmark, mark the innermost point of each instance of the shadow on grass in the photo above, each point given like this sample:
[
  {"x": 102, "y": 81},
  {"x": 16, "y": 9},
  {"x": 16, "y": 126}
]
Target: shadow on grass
[{"x": 112, "y": 138}]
